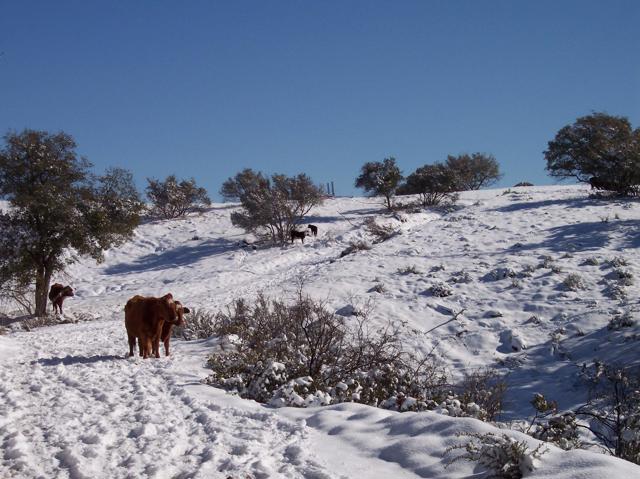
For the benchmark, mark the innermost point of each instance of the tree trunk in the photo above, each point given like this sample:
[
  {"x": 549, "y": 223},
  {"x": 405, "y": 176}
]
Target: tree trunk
[
  {"x": 389, "y": 206},
  {"x": 43, "y": 278}
]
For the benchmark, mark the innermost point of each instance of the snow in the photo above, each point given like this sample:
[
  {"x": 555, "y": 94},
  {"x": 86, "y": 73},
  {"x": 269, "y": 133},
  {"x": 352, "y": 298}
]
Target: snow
[{"x": 72, "y": 405}]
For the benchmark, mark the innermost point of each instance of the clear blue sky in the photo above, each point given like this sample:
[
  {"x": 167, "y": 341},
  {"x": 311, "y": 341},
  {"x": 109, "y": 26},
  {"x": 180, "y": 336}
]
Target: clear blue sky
[{"x": 205, "y": 88}]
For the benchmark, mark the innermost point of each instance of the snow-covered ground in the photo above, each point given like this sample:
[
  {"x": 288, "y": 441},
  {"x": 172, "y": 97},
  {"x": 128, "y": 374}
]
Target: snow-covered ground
[{"x": 71, "y": 405}]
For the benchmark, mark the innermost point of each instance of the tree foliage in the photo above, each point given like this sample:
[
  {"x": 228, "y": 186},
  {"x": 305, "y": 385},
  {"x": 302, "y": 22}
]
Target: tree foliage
[
  {"x": 600, "y": 148},
  {"x": 172, "y": 198},
  {"x": 380, "y": 178},
  {"x": 57, "y": 207},
  {"x": 271, "y": 207},
  {"x": 434, "y": 183},
  {"x": 474, "y": 171}
]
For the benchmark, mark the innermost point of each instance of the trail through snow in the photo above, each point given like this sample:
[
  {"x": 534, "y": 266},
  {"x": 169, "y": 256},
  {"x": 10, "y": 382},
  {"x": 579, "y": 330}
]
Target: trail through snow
[{"x": 72, "y": 406}]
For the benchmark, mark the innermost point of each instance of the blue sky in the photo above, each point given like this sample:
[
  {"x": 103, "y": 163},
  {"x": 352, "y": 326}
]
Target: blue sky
[{"x": 206, "y": 88}]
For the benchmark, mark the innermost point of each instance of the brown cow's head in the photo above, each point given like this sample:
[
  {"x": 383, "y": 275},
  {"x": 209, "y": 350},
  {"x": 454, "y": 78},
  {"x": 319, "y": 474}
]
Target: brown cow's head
[
  {"x": 176, "y": 310},
  {"x": 66, "y": 291},
  {"x": 181, "y": 311}
]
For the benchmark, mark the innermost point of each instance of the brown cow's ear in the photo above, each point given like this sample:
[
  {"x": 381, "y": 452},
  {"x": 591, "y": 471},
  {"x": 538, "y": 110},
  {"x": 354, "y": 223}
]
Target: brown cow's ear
[{"x": 186, "y": 310}]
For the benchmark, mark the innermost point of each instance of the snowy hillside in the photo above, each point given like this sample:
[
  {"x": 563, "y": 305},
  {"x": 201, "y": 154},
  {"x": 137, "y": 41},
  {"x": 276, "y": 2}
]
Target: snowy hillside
[{"x": 534, "y": 272}]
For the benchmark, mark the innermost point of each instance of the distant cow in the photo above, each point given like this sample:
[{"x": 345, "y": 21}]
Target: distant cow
[
  {"x": 314, "y": 229},
  {"x": 167, "y": 328},
  {"x": 57, "y": 293},
  {"x": 298, "y": 234},
  {"x": 145, "y": 318}
]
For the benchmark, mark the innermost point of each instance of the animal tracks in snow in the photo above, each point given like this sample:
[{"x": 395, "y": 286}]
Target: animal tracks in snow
[{"x": 84, "y": 411}]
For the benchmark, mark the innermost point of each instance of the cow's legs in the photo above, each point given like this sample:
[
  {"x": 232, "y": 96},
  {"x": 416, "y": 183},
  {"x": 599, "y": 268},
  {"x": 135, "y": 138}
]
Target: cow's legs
[
  {"x": 156, "y": 346},
  {"x": 146, "y": 350},
  {"x": 132, "y": 344},
  {"x": 166, "y": 345}
]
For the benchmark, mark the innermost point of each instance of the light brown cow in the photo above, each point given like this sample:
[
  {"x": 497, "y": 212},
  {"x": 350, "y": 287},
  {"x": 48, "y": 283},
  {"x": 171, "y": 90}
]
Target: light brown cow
[
  {"x": 167, "y": 328},
  {"x": 145, "y": 317},
  {"x": 57, "y": 293}
]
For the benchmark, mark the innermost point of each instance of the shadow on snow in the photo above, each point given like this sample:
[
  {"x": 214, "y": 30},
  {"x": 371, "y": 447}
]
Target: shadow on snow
[
  {"x": 180, "y": 256},
  {"x": 69, "y": 360}
]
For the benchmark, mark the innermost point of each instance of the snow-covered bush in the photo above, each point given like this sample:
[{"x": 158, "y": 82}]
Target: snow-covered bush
[
  {"x": 47, "y": 320},
  {"x": 301, "y": 354},
  {"x": 620, "y": 321},
  {"x": 378, "y": 288},
  {"x": 461, "y": 276},
  {"x": 355, "y": 245},
  {"x": 618, "y": 261},
  {"x": 408, "y": 270},
  {"x": 527, "y": 271},
  {"x": 561, "y": 430},
  {"x": 613, "y": 409},
  {"x": 616, "y": 290},
  {"x": 502, "y": 455},
  {"x": 624, "y": 276},
  {"x": 499, "y": 274},
  {"x": 485, "y": 389},
  {"x": 200, "y": 325},
  {"x": 548, "y": 425},
  {"x": 592, "y": 261},
  {"x": 573, "y": 282},
  {"x": 441, "y": 289},
  {"x": 380, "y": 232},
  {"x": 547, "y": 262}
]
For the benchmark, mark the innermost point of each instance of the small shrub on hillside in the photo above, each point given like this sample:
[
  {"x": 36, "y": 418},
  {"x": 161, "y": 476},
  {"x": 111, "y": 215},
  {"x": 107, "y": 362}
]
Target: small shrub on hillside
[
  {"x": 620, "y": 321},
  {"x": 547, "y": 262},
  {"x": 527, "y": 271},
  {"x": 356, "y": 245},
  {"x": 618, "y": 261},
  {"x": 380, "y": 232},
  {"x": 613, "y": 409},
  {"x": 301, "y": 354},
  {"x": 486, "y": 389},
  {"x": 624, "y": 276},
  {"x": 461, "y": 276},
  {"x": 592, "y": 261},
  {"x": 47, "y": 320},
  {"x": 502, "y": 455},
  {"x": 499, "y": 274},
  {"x": 378, "y": 288},
  {"x": 573, "y": 282},
  {"x": 548, "y": 425},
  {"x": 441, "y": 290},
  {"x": 516, "y": 283},
  {"x": 408, "y": 270},
  {"x": 615, "y": 290},
  {"x": 201, "y": 324}
]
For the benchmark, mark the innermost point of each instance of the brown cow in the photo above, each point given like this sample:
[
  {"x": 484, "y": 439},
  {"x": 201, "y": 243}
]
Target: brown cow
[
  {"x": 57, "y": 293},
  {"x": 167, "y": 328},
  {"x": 145, "y": 317}
]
